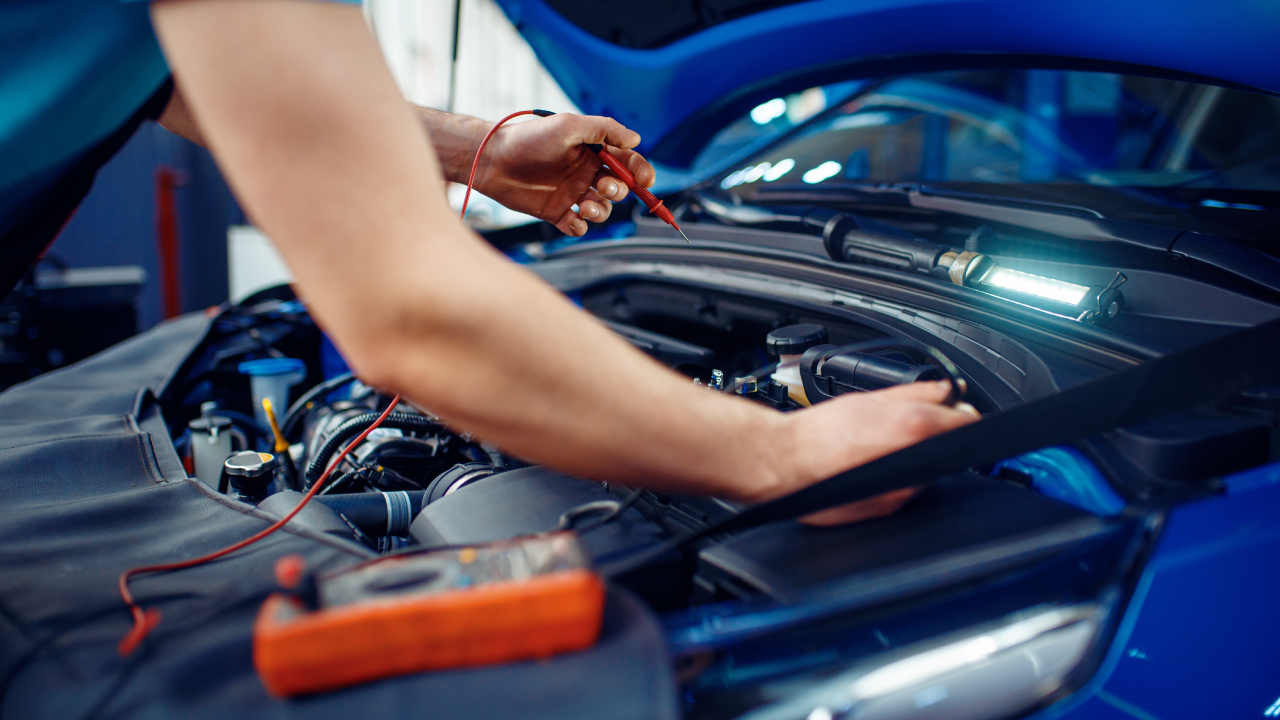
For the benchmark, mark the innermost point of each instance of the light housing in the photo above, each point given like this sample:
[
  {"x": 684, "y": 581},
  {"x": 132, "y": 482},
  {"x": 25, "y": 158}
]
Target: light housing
[
  {"x": 1088, "y": 303},
  {"x": 1097, "y": 303},
  {"x": 999, "y": 670},
  {"x": 850, "y": 238}
]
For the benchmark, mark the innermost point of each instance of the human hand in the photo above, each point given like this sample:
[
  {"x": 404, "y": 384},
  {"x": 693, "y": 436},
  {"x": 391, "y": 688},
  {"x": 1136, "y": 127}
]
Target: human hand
[
  {"x": 541, "y": 167},
  {"x": 855, "y": 429}
]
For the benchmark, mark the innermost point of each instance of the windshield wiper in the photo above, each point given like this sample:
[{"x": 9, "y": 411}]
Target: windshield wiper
[{"x": 1076, "y": 222}]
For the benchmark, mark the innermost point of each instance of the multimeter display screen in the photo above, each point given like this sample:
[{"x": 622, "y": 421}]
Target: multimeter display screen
[{"x": 454, "y": 569}]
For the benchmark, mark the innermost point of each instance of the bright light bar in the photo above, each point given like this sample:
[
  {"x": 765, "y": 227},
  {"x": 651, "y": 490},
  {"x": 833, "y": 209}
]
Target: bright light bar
[{"x": 1043, "y": 287}]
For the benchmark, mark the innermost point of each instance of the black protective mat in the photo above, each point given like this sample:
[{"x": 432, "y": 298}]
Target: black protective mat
[{"x": 86, "y": 492}]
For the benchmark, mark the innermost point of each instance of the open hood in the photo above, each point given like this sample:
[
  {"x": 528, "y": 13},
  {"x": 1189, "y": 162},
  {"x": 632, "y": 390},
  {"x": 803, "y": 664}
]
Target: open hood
[{"x": 676, "y": 70}]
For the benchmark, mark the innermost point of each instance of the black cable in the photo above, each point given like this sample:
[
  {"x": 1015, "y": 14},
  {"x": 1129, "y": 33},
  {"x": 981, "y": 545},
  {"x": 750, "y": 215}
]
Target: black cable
[
  {"x": 249, "y": 423},
  {"x": 399, "y": 421},
  {"x": 934, "y": 357},
  {"x": 614, "y": 507},
  {"x": 296, "y": 410},
  {"x": 131, "y": 665},
  {"x": 219, "y": 605},
  {"x": 342, "y": 480},
  {"x": 48, "y": 640}
]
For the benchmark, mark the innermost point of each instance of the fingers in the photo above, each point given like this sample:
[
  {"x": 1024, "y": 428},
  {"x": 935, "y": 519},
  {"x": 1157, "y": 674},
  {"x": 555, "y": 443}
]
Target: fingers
[
  {"x": 610, "y": 187},
  {"x": 591, "y": 207},
  {"x": 859, "y": 427},
  {"x": 926, "y": 392},
  {"x": 594, "y": 208},
  {"x": 571, "y": 224},
  {"x": 638, "y": 166},
  {"x": 933, "y": 391},
  {"x": 869, "y": 509},
  {"x": 856, "y": 428}
]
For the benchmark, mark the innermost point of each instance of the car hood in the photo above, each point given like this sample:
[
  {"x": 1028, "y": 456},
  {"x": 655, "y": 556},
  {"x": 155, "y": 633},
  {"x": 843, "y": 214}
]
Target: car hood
[{"x": 675, "y": 71}]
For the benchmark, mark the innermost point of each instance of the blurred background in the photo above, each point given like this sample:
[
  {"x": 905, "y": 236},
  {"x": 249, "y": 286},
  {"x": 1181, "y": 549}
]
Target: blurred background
[{"x": 160, "y": 234}]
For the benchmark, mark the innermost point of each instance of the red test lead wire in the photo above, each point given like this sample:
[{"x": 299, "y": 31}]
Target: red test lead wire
[
  {"x": 471, "y": 180},
  {"x": 145, "y": 620}
]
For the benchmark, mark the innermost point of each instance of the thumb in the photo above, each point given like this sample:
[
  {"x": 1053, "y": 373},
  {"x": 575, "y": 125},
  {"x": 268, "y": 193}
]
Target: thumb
[
  {"x": 934, "y": 391},
  {"x": 607, "y": 131}
]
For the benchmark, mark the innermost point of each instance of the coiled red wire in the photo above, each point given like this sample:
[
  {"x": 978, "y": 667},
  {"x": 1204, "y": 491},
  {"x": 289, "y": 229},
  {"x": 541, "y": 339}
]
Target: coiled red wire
[{"x": 144, "y": 621}]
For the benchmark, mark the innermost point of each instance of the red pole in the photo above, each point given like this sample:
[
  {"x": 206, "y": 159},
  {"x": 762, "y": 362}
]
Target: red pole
[{"x": 167, "y": 239}]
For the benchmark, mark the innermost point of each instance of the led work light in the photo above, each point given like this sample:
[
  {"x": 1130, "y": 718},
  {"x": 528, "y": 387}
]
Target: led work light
[
  {"x": 854, "y": 239},
  {"x": 1028, "y": 284}
]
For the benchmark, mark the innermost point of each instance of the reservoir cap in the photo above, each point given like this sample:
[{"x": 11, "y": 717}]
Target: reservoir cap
[
  {"x": 272, "y": 366},
  {"x": 795, "y": 339}
]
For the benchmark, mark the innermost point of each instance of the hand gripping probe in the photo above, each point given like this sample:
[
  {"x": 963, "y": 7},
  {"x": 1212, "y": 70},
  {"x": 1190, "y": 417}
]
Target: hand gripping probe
[{"x": 616, "y": 166}]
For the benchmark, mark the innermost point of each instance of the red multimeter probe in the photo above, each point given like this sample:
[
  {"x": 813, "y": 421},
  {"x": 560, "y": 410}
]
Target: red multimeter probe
[{"x": 655, "y": 205}]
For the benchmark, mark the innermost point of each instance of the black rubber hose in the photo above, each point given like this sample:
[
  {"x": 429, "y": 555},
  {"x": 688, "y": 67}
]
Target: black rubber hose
[
  {"x": 356, "y": 425},
  {"x": 377, "y": 514},
  {"x": 298, "y": 408},
  {"x": 247, "y": 423}
]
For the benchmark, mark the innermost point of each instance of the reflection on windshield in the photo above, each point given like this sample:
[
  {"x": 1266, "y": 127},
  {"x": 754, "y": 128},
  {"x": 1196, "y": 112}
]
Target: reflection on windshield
[
  {"x": 1029, "y": 126},
  {"x": 768, "y": 121}
]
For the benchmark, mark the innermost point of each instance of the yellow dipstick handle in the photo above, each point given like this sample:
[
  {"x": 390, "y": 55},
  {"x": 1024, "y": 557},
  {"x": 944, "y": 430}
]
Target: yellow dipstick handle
[{"x": 282, "y": 445}]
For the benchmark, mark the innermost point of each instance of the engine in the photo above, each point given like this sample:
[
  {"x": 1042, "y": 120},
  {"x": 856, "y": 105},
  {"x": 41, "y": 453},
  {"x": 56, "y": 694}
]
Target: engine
[{"x": 381, "y": 492}]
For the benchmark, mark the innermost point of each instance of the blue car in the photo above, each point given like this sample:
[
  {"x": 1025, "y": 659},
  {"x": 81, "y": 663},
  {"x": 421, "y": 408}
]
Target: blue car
[{"x": 1069, "y": 210}]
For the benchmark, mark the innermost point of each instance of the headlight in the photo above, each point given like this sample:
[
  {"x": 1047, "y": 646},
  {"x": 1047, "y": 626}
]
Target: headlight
[{"x": 979, "y": 673}]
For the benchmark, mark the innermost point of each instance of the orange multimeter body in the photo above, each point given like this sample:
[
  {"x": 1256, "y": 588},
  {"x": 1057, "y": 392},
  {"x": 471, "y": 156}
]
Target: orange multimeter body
[{"x": 515, "y": 600}]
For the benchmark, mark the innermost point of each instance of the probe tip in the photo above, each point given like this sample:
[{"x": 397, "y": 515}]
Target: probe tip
[{"x": 686, "y": 237}]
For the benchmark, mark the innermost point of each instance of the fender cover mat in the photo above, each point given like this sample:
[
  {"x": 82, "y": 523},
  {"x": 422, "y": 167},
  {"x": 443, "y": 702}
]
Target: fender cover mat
[{"x": 90, "y": 485}]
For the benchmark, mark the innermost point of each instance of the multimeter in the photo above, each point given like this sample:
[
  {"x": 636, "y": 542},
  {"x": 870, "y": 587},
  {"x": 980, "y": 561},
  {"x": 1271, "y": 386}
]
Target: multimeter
[{"x": 519, "y": 599}]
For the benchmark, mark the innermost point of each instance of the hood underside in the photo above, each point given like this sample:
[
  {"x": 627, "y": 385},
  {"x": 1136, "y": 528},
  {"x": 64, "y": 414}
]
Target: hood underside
[{"x": 671, "y": 68}]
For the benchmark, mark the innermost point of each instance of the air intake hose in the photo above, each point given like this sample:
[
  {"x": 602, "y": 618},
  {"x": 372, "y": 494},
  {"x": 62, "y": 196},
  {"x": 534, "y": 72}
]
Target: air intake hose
[{"x": 408, "y": 422}]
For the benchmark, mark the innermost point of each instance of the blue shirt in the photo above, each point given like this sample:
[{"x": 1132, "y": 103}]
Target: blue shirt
[
  {"x": 75, "y": 77},
  {"x": 71, "y": 73}
]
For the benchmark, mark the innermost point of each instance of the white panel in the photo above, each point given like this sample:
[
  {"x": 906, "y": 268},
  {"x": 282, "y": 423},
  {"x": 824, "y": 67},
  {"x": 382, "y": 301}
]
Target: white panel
[
  {"x": 252, "y": 262},
  {"x": 497, "y": 71}
]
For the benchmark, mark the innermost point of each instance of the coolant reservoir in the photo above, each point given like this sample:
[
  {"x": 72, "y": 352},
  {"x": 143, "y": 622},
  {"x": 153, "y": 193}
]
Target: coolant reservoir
[
  {"x": 788, "y": 343},
  {"x": 210, "y": 444}
]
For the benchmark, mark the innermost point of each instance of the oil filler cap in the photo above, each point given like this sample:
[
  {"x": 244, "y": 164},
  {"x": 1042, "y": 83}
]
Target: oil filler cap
[
  {"x": 795, "y": 339},
  {"x": 250, "y": 473}
]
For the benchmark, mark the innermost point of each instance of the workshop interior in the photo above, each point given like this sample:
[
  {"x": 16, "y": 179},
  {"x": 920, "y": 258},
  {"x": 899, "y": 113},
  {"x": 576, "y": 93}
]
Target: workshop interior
[{"x": 1069, "y": 212}]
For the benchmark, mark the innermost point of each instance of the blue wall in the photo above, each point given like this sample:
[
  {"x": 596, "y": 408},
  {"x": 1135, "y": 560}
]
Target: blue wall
[{"x": 115, "y": 225}]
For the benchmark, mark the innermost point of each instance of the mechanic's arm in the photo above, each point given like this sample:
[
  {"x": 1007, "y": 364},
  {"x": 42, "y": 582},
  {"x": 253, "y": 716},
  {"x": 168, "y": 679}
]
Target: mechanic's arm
[
  {"x": 538, "y": 167},
  {"x": 307, "y": 124}
]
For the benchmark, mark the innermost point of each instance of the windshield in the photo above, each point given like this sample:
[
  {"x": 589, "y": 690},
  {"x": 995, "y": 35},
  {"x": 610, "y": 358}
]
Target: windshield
[{"x": 1190, "y": 148}]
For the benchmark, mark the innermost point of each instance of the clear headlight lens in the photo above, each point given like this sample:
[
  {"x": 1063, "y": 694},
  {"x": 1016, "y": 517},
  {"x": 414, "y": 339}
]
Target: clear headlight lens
[{"x": 982, "y": 673}]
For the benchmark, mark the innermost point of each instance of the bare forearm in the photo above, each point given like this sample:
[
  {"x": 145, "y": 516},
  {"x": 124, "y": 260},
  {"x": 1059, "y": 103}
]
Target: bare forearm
[
  {"x": 518, "y": 364},
  {"x": 455, "y": 139}
]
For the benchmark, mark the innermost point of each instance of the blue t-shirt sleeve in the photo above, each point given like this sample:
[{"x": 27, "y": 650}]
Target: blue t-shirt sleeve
[{"x": 344, "y": 2}]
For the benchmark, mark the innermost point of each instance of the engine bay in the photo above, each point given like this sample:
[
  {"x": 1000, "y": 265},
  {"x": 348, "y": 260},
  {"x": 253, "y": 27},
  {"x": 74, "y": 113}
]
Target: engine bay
[{"x": 1040, "y": 529}]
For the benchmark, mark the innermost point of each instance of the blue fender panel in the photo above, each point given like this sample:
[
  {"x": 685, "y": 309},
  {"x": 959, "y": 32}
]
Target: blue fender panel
[{"x": 1200, "y": 635}]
